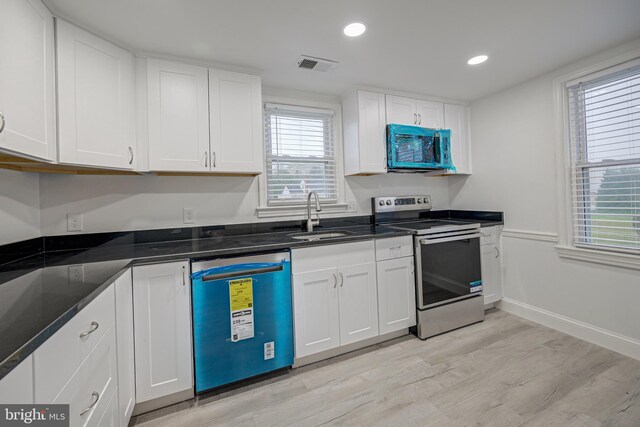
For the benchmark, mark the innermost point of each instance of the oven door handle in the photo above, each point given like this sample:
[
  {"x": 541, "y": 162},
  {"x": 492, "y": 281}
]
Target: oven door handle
[{"x": 449, "y": 239}]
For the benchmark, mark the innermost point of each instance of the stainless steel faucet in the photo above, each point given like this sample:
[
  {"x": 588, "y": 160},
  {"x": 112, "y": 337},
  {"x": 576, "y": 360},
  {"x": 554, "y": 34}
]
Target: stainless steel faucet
[{"x": 310, "y": 222}]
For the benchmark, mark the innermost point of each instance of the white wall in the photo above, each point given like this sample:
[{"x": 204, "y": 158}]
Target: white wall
[
  {"x": 19, "y": 206},
  {"x": 115, "y": 203},
  {"x": 514, "y": 170}
]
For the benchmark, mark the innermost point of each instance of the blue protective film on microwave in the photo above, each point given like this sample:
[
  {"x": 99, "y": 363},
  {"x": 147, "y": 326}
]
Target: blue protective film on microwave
[{"x": 413, "y": 147}]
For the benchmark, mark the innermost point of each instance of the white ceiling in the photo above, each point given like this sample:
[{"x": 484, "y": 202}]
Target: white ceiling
[{"x": 410, "y": 45}]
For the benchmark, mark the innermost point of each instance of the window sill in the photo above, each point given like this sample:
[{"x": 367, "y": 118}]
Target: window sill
[
  {"x": 300, "y": 211},
  {"x": 599, "y": 257}
]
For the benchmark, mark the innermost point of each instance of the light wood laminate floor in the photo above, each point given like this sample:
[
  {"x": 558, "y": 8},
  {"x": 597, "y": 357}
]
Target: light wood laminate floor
[{"x": 505, "y": 371}]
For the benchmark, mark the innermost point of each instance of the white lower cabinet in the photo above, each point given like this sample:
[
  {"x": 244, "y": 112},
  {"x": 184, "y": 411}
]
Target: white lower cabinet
[
  {"x": 316, "y": 311},
  {"x": 17, "y": 386},
  {"x": 396, "y": 294},
  {"x": 335, "y": 296},
  {"x": 125, "y": 399},
  {"x": 358, "y": 297},
  {"x": 491, "y": 264},
  {"x": 162, "y": 325},
  {"x": 92, "y": 386}
]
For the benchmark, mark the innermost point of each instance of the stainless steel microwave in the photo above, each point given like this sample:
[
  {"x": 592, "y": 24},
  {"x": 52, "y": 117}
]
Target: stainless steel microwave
[{"x": 414, "y": 148}]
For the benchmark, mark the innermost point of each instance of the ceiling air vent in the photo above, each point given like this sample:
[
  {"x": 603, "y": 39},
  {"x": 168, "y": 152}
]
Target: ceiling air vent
[{"x": 316, "y": 64}]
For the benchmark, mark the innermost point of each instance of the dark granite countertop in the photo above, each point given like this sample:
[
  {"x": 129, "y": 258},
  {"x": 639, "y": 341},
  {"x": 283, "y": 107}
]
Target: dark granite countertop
[{"x": 38, "y": 294}]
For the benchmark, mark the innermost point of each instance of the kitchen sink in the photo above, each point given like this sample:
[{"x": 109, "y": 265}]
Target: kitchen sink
[{"x": 319, "y": 235}]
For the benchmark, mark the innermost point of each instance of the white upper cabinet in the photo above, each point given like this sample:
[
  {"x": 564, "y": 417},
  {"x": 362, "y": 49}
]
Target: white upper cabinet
[
  {"x": 430, "y": 114},
  {"x": 401, "y": 110},
  {"x": 456, "y": 118},
  {"x": 178, "y": 117},
  {"x": 235, "y": 103},
  {"x": 96, "y": 123},
  {"x": 414, "y": 112},
  {"x": 27, "y": 91},
  {"x": 365, "y": 145}
]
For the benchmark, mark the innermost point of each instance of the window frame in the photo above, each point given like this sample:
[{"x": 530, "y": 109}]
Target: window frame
[
  {"x": 564, "y": 172},
  {"x": 297, "y": 208}
]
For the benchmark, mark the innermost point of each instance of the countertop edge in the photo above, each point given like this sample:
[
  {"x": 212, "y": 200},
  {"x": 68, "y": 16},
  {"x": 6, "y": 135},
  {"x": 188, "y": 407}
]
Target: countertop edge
[{"x": 9, "y": 363}]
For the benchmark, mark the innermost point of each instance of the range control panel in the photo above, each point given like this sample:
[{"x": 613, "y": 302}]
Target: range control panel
[{"x": 402, "y": 203}]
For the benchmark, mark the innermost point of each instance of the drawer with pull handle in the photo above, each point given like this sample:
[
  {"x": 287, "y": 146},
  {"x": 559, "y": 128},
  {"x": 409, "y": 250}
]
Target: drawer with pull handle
[
  {"x": 394, "y": 247},
  {"x": 90, "y": 389},
  {"x": 59, "y": 357}
]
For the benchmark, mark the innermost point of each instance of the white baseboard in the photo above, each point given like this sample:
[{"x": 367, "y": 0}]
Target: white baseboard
[{"x": 607, "y": 339}]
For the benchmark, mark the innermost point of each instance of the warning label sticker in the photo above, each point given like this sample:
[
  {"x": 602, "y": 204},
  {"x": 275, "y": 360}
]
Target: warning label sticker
[{"x": 241, "y": 302}]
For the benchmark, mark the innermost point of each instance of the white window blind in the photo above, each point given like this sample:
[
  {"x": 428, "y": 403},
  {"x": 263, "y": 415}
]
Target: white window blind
[
  {"x": 604, "y": 128},
  {"x": 300, "y": 154}
]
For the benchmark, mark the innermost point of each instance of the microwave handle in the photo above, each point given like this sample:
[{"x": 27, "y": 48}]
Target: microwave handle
[{"x": 450, "y": 239}]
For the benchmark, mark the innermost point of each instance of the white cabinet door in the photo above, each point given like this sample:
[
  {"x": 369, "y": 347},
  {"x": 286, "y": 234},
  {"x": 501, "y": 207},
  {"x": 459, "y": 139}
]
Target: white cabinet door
[
  {"x": 430, "y": 114},
  {"x": 178, "y": 117},
  {"x": 396, "y": 294},
  {"x": 315, "y": 299},
  {"x": 491, "y": 273},
  {"x": 17, "y": 386},
  {"x": 372, "y": 132},
  {"x": 235, "y": 102},
  {"x": 27, "y": 97},
  {"x": 491, "y": 264},
  {"x": 162, "y": 325},
  {"x": 456, "y": 119},
  {"x": 125, "y": 400},
  {"x": 95, "y": 100},
  {"x": 358, "y": 303},
  {"x": 401, "y": 110}
]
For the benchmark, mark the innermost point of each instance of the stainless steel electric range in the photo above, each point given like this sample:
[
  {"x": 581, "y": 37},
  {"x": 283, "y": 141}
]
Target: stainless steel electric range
[{"x": 447, "y": 258}]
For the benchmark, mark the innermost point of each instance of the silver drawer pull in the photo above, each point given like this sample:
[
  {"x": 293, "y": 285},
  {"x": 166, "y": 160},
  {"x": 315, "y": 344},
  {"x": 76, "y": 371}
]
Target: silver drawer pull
[
  {"x": 94, "y": 326},
  {"x": 96, "y": 396},
  {"x": 3, "y": 121}
]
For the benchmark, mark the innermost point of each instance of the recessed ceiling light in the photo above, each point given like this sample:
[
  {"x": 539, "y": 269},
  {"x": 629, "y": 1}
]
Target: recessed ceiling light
[
  {"x": 477, "y": 60},
  {"x": 355, "y": 29}
]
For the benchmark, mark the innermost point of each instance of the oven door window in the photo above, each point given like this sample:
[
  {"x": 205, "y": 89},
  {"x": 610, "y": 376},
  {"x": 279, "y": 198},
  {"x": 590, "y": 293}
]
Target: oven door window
[{"x": 449, "y": 270}]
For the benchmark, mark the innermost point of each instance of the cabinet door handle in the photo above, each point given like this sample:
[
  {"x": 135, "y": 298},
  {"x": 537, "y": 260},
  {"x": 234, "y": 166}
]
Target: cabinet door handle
[
  {"x": 415, "y": 118},
  {"x": 335, "y": 280},
  {"x": 341, "y": 279},
  {"x": 130, "y": 155},
  {"x": 497, "y": 251},
  {"x": 206, "y": 159},
  {"x": 184, "y": 281},
  {"x": 419, "y": 119},
  {"x": 96, "y": 398},
  {"x": 2, "y": 122},
  {"x": 94, "y": 327},
  {"x": 214, "y": 159}
]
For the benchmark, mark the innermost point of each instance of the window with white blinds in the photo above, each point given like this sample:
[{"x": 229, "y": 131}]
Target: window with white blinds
[
  {"x": 604, "y": 128},
  {"x": 300, "y": 154}
]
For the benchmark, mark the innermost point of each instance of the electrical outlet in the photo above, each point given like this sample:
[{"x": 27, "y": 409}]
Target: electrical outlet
[
  {"x": 76, "y": 273},
  {"x": 74, "y": 222},
  {"x": 189, "y": 215}
]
